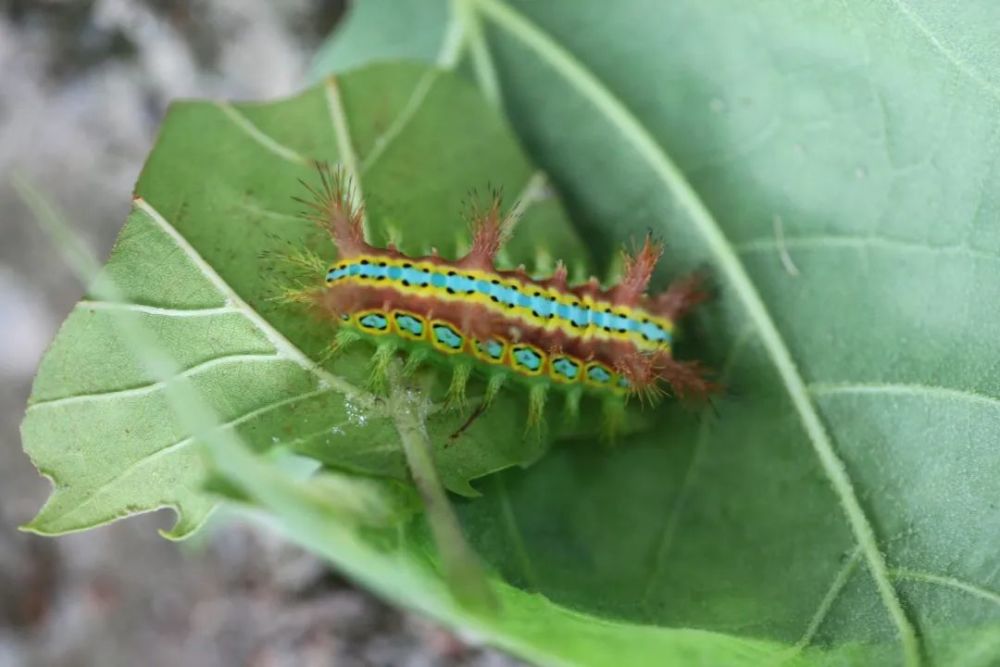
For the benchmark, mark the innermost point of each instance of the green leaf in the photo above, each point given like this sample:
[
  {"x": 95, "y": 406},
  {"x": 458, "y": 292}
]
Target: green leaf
[
  {"x": 195, "y": 263},
  {"x": 527, "y": 624},
  {"x": 834, "y": 167}
]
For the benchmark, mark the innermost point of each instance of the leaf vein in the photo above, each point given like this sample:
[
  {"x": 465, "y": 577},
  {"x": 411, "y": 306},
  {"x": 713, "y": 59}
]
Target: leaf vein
[
  {"x": 666, "y": 536},
  {"x": 267, "y": 213},
  {"x": 262, "y": 138},
  {"x": 402, "y": 119},
  {"x": 823, "y": 610},
  {"x": 510, "y": 524},
  {"x": 889, "y": 389},
  {"x": 141, "y": 390},
  {"x": 453, "y": 41},
  {"x": 345, "y": 146},
  {"x": 948, "y": 582},
  {"x": 185, "y": 442},
  {"x": 283, "y": 346},
  {"x": 157, "y": 310},
  {"x": 482, "y": 62},
  {"x": 959, "y": 64}
]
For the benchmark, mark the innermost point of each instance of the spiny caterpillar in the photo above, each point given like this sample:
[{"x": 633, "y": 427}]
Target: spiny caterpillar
[{"x": 504, "y": 325}]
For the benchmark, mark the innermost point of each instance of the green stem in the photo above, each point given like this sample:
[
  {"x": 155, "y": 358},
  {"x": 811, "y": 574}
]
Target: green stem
[{"x": 462, "y": 569}]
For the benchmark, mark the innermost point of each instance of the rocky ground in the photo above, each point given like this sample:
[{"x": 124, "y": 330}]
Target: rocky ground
[{"x": 83, "y": 86}]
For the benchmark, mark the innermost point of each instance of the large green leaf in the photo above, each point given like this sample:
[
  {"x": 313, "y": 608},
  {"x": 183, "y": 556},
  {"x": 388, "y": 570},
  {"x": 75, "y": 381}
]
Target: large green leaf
[
  {"x": 196, "y": 262},
  {"x": 526, "y": 623},
  {"x": 834, "y": 166}
]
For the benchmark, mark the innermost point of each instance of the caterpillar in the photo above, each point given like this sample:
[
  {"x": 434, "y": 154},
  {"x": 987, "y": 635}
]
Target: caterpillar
[{"x": 504, "y": 325}]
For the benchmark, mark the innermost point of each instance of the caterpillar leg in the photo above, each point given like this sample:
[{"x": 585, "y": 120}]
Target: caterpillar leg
[
  {"x": 613, "y": 411},
  {"x": 537, "y": 396},
  {"x": 341, "y": 340},
  {"x": 459, "y": 382},
  {"x": 385, "y": 351},
  {"x": 415, "y": 361},
  {"x": 573, "y": 397},
  {"x": 493, "y": 386}
]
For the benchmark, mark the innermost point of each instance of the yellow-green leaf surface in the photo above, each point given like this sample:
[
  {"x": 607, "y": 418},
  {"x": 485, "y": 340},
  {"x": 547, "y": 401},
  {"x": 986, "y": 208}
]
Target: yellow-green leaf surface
[
  {"x": 201, "y": 258},
  {"x": 834, "y": 166}
]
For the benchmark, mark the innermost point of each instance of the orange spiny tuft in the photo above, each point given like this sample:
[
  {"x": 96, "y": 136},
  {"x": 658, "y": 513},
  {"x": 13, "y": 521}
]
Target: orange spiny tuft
[
  {"x": 489, "y": 232},
  {"x": 638, "y": 270},
  {"x": 559, "y": 277},
  {"x": 682, "y": 295},
  {"x": 331, "y": 207},
  {"x": 687, "y": 379},
  {"x": 639, "y": 369}
]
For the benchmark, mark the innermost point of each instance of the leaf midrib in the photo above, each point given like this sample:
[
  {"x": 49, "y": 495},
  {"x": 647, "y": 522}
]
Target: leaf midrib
[
  {"x": 618, "y": 115},
  {"x": 157, "y": 385},
  {"x": 282, "y": 345}
]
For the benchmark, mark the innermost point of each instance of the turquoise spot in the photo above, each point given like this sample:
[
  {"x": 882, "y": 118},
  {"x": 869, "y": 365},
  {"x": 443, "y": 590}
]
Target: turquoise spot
[
  {"x": 354, "y": 270},
  {"x": 624, "y": 383},
  {"x": 494, "y": 349},
  {"x": 566, "y": 367},
  {"x": 437, "y": 280},
  {"x": 395, "y": 272},
  {"x": 562, "y": 310},
  {"x": 374, "y": 321},
  {"x": 598, "y": 374},
  {"x": 523, "y": 301},
  {"x": 410, "y": 324},
  {"x": 482, "y": 287},
  {"x": 528, "y": 358},
  {"x": 448, "y": 336}
]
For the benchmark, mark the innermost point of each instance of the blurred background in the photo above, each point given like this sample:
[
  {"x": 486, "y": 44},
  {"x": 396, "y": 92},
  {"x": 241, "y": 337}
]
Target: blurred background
[{"x": 84, "y": 85}]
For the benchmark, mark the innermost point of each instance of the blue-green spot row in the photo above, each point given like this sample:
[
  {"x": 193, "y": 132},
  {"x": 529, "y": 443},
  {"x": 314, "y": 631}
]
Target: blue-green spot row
[{"x": 541, "y": 306}]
